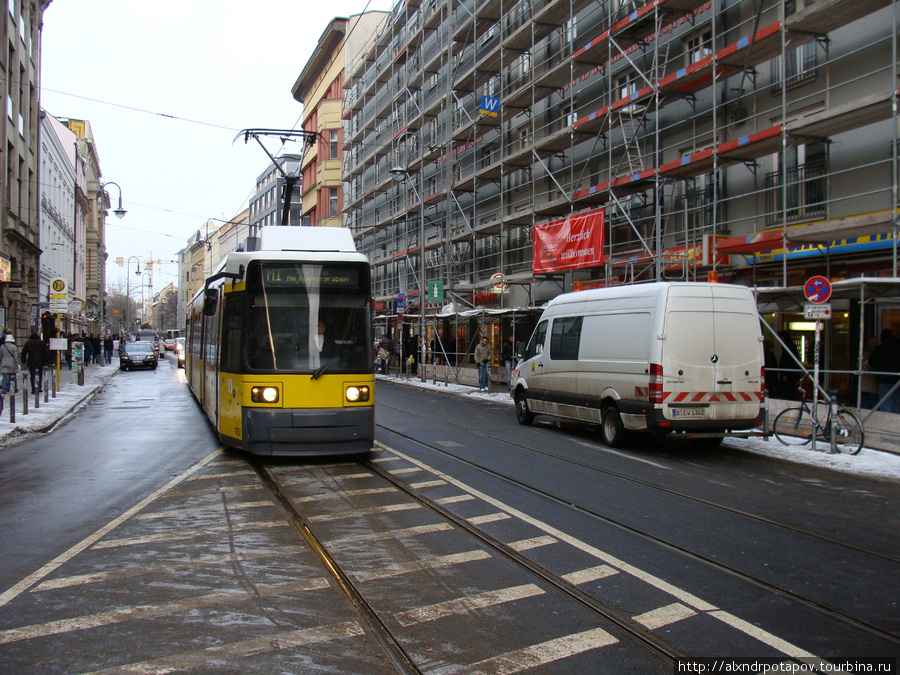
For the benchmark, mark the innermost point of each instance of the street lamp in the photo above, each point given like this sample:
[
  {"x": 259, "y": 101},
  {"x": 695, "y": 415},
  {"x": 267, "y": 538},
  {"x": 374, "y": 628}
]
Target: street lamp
[
  {"x": 128, "y": 287},
  {"x": 120, "y": 212},
  {"x": 401, "y": 173}
]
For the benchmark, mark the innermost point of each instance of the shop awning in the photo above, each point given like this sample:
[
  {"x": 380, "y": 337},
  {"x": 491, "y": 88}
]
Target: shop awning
[{"x": 767, "y": 240}]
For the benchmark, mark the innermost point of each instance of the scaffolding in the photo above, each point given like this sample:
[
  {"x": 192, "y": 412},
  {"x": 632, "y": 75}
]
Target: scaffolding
[{"x": 728, "y": 139}]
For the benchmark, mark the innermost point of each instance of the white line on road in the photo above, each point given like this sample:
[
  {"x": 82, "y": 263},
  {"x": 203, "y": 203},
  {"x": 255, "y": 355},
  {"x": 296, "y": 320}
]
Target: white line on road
[
  {"x": 87, "y": 542},
  {"x": 467, "y": 604}
]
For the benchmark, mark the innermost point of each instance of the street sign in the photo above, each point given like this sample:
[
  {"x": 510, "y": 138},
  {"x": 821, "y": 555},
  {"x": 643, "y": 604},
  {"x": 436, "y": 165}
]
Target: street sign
[
  {"x": 435, "y": 290},
  {"x": 817, "y": 289},
  {"x": 59, "y": 296},
  {"x": 401, "y": 299},
  {"x": 822, "y": 311},
  {"x": 399, "y": 319}
]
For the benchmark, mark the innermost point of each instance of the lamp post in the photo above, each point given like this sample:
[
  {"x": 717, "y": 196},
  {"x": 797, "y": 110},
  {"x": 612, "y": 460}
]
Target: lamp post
[
  {"x": 400, "y": 173},
  {"x": 120, "y": 212},
  {"x": 144, "y": 303},
  {"x": 128, "y": 287}
]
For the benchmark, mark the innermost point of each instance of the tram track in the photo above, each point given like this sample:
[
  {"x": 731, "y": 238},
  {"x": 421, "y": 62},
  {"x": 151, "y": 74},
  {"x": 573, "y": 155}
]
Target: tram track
[
  {"x": 833, "y": 612},
  {"x": 378, "y": 620}
]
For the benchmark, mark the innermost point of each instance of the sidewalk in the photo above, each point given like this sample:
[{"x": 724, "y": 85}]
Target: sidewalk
[
  {"x": 70, "y": 396},
  {"x": 870, "y": 462}
]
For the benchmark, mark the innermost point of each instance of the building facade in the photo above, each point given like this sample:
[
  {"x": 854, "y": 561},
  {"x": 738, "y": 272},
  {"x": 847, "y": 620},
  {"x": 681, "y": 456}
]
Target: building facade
[
  {"x": 320, "y": 89},
  {"x": 19, "y": 244},
  {"x": 58, "y": 207},
  {"x": 546, "y": 145},
  {"x": 267, "y": 201}
]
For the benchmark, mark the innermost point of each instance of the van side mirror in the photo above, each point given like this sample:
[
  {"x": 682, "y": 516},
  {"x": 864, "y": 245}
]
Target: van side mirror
[
  {"x": 520, "y": 350},
  {"x": 210, "y": 300}
]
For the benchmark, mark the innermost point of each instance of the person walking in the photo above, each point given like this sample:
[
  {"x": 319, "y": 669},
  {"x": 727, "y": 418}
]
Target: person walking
[
  {"x": 9, "y": 363},
  {"x": 108, "y": 348},
  {"x": 36, "y": 356},
  {"x": 885, "y": 359},
  {"x": 506, "y": 355},
  {"x": 483, "y": 355}
]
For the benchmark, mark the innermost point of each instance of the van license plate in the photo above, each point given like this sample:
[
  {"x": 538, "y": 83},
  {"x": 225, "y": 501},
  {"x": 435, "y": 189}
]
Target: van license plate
[{"x": 689, "y": 412}]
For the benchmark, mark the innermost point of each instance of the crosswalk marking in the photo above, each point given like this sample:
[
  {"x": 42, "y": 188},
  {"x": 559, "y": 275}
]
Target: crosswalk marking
[
  {"x": 489, "y": 518},
  {"x": 469, "y": 603},
  {"x": 664, "y": 616},
  {"x": 528, "y": 544},
  {"x": 204, "y": 509},
  {"x": 590, "y": 574},
  {"x": 543, "y": 653},
  {"x": 353, "y": 513},
  {"x": 425, "y": 564}
]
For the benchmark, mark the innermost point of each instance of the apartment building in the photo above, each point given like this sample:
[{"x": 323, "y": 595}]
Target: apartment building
[
  {"x": 515, "y": 149},
  {"x": 19, "y": 247},
  {"x": 267, "y": 201},
  {"x": 319, "y": 88}
]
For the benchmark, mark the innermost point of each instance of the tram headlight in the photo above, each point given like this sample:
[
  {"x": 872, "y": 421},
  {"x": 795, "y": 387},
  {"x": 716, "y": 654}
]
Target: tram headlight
[
  {"x": 356, "y": 394},
  {"x": 264, "y": 394}
]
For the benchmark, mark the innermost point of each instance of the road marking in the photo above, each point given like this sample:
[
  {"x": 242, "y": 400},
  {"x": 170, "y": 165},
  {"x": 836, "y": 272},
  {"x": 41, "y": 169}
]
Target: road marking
[
  {"x": 427, "y": 484},
  {"x": 467, "y": 604},
  {"x": 454, "y": 500},
  {"x": 589, "y": 574},
  {"x": 89, "y": 541},
  {"x": 188, "y": 564},
  {"x": 488, "y": 518},
  {"x": 217, "y": 508},
  {"x": 146, "y": 611},
  {"x": 392, "y": 508},
  {"x": 664, "y": 616},
  {"x": 420, "y": 565},
  {"x": 544, "y": 653},
  {"x": 356, "y": 539},
  {"x": 680, "y": 594},
  {"x": 229, "y": 474},
  {"x": 402, "y": 472},
  {"x": 238, "y": 650},
  {"x": 185, "y": 533},
  {"x": 528, "y": 544},
  {"x": 345, "y": 493}
]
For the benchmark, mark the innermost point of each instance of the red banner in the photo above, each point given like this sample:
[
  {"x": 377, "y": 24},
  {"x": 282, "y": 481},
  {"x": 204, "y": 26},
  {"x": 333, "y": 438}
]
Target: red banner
[{"x": 568, "y": 244}]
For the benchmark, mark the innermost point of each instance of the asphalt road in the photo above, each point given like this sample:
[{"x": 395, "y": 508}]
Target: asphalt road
[{"x": 131, "y": 537}]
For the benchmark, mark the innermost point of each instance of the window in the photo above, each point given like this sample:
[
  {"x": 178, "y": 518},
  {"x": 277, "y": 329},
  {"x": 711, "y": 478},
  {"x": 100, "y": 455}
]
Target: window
[
  {"x": 333, "y": 144},
  {"x": 536, "y": 344},
  {"x": 697, "y": 47},
  {"x": 799, "y": 66},
  {"x": 332, "y": 202},
  {"x": 565, "y": 338}
]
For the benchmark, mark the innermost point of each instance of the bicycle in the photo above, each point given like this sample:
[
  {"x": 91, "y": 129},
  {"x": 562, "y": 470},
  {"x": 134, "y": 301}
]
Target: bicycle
[{"x": 795, "y": 426}]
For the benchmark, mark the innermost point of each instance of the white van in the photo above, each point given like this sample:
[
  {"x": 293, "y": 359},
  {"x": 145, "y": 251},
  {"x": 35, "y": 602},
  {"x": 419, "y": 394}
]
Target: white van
[{"x": 657, "y": 357}]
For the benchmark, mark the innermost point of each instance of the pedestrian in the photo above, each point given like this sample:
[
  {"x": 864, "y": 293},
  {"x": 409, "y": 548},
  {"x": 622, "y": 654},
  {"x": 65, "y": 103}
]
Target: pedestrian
[
  {"x": 36, "y": 356},
  {"x": 108, "y": 348},
  {"x": 506, "y": 355},
  {"x": 9, "y": 363},
  {"x": 885, "y": 359},
  {"x": 483, "y": 355},
  {"x": 87, "y": 349},
  {"x": 385, "y": 357}
]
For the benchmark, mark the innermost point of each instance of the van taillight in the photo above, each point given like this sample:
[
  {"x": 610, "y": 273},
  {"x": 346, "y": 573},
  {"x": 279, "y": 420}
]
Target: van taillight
[
  {"x": 656, "y": 383},
  {"x": 762, "y": 381}
]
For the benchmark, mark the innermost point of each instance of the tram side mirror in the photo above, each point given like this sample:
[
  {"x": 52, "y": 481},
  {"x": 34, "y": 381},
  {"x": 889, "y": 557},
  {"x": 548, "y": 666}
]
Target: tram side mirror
[
  {"x": 520, "y": 350},
  {"x": 210, "y": 300}
]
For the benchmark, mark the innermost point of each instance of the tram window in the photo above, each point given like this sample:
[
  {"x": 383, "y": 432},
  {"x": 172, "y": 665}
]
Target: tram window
[
  {"x": 231, "y": 333},
  {"x": 303, "y": 316}
]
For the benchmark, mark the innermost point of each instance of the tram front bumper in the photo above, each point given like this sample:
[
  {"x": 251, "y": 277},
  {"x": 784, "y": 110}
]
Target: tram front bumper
[{"x": 309, "y": 432}]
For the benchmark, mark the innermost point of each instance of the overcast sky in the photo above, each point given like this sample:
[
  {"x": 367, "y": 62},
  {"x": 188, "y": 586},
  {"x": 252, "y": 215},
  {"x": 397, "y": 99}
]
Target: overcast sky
[{"x": 166, "y": 86}]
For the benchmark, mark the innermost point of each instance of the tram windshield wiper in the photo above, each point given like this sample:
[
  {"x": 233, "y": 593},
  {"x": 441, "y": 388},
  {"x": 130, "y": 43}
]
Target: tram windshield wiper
[{"x": 325, "y": 366}]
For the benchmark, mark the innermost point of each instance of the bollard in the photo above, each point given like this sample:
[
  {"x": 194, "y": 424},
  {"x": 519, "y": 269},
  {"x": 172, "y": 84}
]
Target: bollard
[
  {"x": 12, "y": 407},
  {"x": 37, "y": 398},
  {"x": 24, "y": 401},
  {"x": 53, "y": 381}
]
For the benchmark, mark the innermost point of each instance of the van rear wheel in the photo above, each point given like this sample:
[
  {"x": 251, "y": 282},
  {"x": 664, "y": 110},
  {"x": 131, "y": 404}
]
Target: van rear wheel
[
  {"x": 613, "y": 431},
  {"x": 523, "y": 414}
]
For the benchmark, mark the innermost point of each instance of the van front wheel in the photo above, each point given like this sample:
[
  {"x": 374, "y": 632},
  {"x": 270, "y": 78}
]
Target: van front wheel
[
  {"x": 523, "y": 414},
  {"x": 612, "y": 429}
]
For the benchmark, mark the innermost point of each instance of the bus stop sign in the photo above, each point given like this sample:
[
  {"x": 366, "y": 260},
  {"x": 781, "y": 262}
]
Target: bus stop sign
[{"x": 817, "y": 289}]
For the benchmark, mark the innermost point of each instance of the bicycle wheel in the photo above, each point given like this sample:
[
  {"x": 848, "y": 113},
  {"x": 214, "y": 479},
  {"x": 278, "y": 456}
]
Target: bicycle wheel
[
  {"x": 848, "y": 432},
  {"x": 793, "y": 426}
]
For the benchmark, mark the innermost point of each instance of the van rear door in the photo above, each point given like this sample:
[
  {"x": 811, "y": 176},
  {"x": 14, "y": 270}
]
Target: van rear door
[{"x": 711, "y": 355}]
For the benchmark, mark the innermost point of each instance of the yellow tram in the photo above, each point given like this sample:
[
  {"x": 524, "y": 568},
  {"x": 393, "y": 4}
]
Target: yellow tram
[{"x": 280, "y": 347}]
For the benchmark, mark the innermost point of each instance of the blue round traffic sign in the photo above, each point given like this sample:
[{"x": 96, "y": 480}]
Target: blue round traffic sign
[{"x": 817, "y": 289}]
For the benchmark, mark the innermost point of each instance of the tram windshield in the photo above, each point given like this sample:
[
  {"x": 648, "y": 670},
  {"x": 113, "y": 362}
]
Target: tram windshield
[{"x": 308, "y": 317}]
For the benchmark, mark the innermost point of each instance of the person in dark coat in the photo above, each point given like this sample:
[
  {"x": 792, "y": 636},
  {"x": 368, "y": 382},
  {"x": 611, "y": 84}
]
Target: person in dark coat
[
  {"x": 771, "y": 364},
  {"x": 36, "y": 356}
]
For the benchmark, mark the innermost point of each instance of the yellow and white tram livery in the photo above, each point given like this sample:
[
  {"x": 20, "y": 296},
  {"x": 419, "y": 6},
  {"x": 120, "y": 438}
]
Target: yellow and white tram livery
[{"x": 280, "y": 347}]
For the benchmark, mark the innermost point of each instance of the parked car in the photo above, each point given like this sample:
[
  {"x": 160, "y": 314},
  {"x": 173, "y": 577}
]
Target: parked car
[
  {"x": 179, "y": 351},
  {"x": 138, "y": 355}
]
